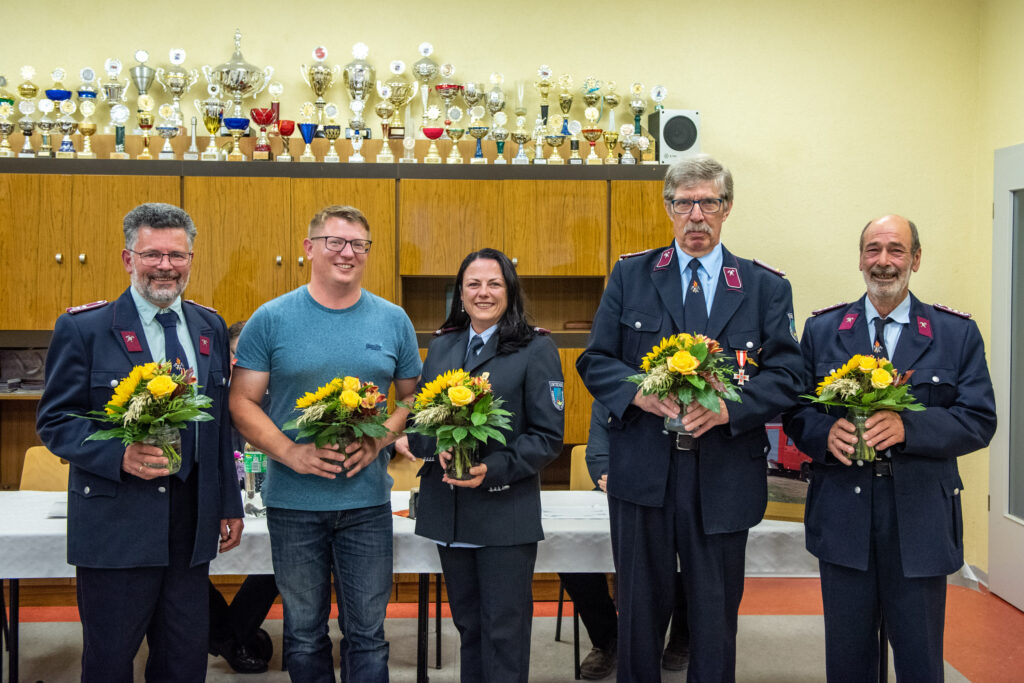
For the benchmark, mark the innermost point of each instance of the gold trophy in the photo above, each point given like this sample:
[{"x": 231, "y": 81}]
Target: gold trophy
[
  {"x": 145, "y": 118},
  {"x": 177, "y": 81},
  {"x": 520, "y": 136},
  {"x": 400, "y": 92},
  {"x": 319, "y": 77},
  {"x": 543, "y": 85},
  {"x": 591, "y": 91},
  {"x": 384, "y": 110},
  {"x": 28, "y": 90},
  {"x": 6, "y": 128},
  {"x": 87, "y": 128},
  {"x": 238, "y": 77},
  {"x": 554, "y": 140},
  {"x": 447, "y": 89},
  {"x": 565, "y": 98},
  {"x": 425, "y": 71},
  {"x": 455, "y": 133},
  {"x": 45, "y": 125},
  {"x": 610, "y": 138},
  {"x": 168, "y": 129},
  {"x": 119, "y": 115},
  {"x": 26, "y": 124},
  {"x": 212, "y": 111},
  {"x": 332, "y": 131},
  {"x": 500, "y": 134},
  {"x": 432, "y": 132},
  {"x": 592, "y": 134},
  {"x": 67, "y": 126},
  {"x": 358, "y": 77},
  {"x": 141, "y": 76},
  {"x": 611, "y": 101},
  {"x": 5, "y": 96},
  {"x": 477, "y": 130}
]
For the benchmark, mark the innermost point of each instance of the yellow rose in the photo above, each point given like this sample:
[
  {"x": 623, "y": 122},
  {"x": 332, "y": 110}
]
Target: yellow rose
[
  {"x": 867, "y": 363},
  {"x": 350, "y": 398},
  {"x": 683, "y": 363},
  {"x": 351, "y": 383},
  {"x": 880, "y": 378},
  {"x": 461, "y": 396},
  {"x": 149, "y": 371},
  {"x": 161, "y": 386}
]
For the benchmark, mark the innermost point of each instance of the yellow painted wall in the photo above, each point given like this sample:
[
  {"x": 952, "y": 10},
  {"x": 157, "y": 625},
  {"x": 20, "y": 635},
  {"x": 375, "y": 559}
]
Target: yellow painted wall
[{"x": 829, "y": 113}]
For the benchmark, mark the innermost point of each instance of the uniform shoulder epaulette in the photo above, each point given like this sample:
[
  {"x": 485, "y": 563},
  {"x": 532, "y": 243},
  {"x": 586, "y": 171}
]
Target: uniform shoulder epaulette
[
  {"x": 829, "y": 308},
  {"x": 211, "y": 309},
  {"x": 953, "y": 311},
  {"x": 623, "y": 257},
  {"x": 92, "y": 306},
  {"x": 770, "y": 269},
  {"x": 445, "y": 330},
  {"x": 541, "y": 330}
]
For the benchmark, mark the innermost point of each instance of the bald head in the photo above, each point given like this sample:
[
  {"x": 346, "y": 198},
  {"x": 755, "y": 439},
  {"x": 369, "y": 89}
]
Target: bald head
[
  {"x": 893, "y": 219},
  {"x": 889, "y": 252}
]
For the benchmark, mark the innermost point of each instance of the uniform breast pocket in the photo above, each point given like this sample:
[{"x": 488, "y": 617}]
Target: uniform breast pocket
[
  {"x": 824, "y": 369},
  {"x": 102, "y": 385},
  {"x": 934, "y": 386},
  {"x": 750, "y": 342},
  {"x": 640, "y": 331}
]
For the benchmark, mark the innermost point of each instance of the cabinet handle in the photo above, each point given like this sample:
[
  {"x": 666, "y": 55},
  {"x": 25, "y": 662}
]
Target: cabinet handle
[
  {"x": 515, "y": 261},
  {"x": 59, "y": 257},
  {"x": 81, "y": 258},
  {"x": 302, "y": 261},
  {"x": 278, "y": 260}
]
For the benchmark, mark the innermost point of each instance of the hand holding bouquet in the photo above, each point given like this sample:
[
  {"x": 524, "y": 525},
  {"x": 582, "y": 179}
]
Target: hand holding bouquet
[
  {"x": 152, "y": 405},
  {"x": 462, "y": 413},
  {"x": 340, "y": 412}
]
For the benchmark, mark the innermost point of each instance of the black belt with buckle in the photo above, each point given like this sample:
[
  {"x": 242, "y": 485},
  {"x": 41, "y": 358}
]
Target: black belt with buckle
[
  {"x": 685, "y": 442},
  {"x": 883, "y": 468}
]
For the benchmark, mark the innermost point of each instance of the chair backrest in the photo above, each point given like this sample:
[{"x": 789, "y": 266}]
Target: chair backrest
[
  {"x": 44, "y": 471},
  {"x": 579, "y": 475},
  {"x": 404, "y": 473}
]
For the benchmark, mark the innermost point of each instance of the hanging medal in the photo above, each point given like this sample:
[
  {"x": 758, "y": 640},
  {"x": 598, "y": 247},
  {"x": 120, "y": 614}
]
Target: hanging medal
[{"x": 741, "y": 359}]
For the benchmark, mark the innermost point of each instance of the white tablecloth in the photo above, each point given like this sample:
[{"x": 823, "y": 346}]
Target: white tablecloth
[{"x": 33, "y": 546}]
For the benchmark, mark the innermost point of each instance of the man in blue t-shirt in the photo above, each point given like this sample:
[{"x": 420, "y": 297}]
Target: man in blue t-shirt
[{"x": 328, "y": 510}]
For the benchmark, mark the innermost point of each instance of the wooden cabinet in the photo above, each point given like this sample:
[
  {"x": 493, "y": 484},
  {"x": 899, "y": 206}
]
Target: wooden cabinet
[
  {"x": 577, "y": 399},
  {"x": 638, "y": 218}
]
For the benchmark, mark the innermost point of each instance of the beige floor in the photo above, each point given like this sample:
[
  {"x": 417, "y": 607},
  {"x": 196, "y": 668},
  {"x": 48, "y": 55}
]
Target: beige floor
[{"x": 771, "y": 649}]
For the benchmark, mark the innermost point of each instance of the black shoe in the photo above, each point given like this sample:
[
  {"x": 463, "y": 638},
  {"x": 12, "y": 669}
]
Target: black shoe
[
  {"x": 598, "y": 664},
  {"x": 676, "y": 656},
  {"x": 243, "y": 661},
  {"x": 261, "y": 645}
]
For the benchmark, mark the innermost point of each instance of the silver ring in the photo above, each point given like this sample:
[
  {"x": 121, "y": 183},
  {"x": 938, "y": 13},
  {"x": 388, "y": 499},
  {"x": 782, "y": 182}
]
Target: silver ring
[{"x": 140, "y": 468}]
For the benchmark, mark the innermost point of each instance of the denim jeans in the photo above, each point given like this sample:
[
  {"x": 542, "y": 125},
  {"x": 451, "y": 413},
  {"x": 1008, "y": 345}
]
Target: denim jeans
[{"x": 355, "y": 546}]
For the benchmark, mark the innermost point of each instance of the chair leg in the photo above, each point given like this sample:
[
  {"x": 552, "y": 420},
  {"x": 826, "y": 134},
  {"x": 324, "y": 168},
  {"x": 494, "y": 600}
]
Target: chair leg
[
  {"x": 558, "y": 619},
  {"x": 437, "y": 620},
  {"x": 576, "y": 641}
]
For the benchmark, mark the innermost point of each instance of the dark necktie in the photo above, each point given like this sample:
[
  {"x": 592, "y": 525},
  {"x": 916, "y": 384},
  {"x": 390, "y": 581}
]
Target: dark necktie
[
  {"x": 695, "y": 308},
  {"x": 176, "y": 355},
  {"x": 879, "y": 346},
  {"x": 475, "y": 344}
]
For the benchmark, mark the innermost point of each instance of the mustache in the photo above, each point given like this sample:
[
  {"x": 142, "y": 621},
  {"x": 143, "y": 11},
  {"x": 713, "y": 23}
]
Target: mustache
[{"x": 697, "y": 227}]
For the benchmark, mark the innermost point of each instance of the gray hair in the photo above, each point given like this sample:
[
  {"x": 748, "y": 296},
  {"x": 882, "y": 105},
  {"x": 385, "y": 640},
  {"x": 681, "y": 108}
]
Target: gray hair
[
  {"x": 915, "y": 239},
  {"x": 695, "y": 170},
  {"x": 157, "y": 216}
]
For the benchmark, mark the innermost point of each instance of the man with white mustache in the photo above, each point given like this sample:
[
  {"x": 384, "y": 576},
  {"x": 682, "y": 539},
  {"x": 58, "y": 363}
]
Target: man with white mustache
[{"x": 886, "y": 533}]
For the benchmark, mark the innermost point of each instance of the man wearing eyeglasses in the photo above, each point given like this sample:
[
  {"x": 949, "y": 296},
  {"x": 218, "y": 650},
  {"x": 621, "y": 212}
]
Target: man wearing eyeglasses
[
  {"x": 141, "y": 539},
  {"x": 682, "y": 498},
  {"x": 328, "y": 510}
]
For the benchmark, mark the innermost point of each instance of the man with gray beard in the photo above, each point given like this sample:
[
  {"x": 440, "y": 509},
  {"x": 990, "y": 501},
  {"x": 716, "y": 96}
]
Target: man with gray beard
[
  {"x": 142, "y": 540},
  {"x": 887, "y": 532}
]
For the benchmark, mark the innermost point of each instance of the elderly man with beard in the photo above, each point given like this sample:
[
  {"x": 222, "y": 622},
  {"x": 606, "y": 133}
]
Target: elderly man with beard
[
  {"x": 677, "y": 498},
  {"x": 142, "y": 540},
  {"x": 886, "y": 533}
]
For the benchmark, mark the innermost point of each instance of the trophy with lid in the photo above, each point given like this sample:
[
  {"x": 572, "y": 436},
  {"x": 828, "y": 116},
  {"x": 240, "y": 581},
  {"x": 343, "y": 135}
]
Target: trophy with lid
[
  {"x": 447, "y": 89},
  {"x": 455, "y": 133},
  {"x": 332, "y": 131},
  {"x": 500, "y": 134},
  {"x": 478, "y": 130},
  {"x": 26, "y": 124},
  {"x": 168, "y": 129},
  {"x": 119, "y": 115},
  {"x": 45, "y": 125},
  {"x": 212, "y": 111},
  {"x": 88, "y": 89},
  {"x": 425, "y": 70},
  {"x": 113, "y": 91},
  {"x": 432, "y": 132},
  {"x": 238, "y": 77},
  {"x": 401, "y": 92},
  {"x": 543, "y": 85},
  {"x": 67, "y": 126},
  {"x": 319, "y": 77},
  {"x": 384, "y": 110},
  {"x": 358, "y": 77},
  {"x": 592, "y": 134},
  {"x": 87, "y": 128},
  {"x": 565, "y": 99},
  {"x": 177, "y": 81},
  {"x": 6, "y": 128},
  {"x": 637, "y": 105},
  {"x": 285, "y": 128},
  {"x": 144, "y": 115},
  {"x": 307, "y": 129},
  {"x": 520, "y": 136}
]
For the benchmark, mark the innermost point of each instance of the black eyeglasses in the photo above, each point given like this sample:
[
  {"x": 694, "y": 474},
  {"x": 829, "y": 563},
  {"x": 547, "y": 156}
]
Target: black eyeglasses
[
  {"x": 685, "y": 206},
  {"x": 155, "y": 258},
  {"x": 338, "y": 244}
]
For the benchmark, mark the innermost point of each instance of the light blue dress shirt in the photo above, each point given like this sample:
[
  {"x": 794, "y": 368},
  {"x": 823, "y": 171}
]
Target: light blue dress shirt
[
  {"x": 900, "y": 314},
  {"x": 485, "y": 336},
  {"x": 154, "y": 331},
  {"x": 710, "y": 268}
]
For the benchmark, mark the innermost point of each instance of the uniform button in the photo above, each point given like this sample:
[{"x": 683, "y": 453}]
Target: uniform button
[
  {"x": 162, "y": 489},
  {"x": 856, "y": 489},
  {"x": 750, "y": 344},
  {"x": 223, "y": 381},
  {"x": 86, "y": 490},
  {"x": 956, "y": 492},
  {"x": 637, "y": 325},
  {"x": 935, "y": 378},
  {"x": 113, "y": 383},
  {"x": 609, "y": 419},
  {"x": 665, "y": 432},
  {"x": 860, "y": 463}
]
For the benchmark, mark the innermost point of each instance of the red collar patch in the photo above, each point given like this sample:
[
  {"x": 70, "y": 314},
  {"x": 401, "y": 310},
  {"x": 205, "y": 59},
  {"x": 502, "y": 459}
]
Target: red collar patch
[
  {"x": 848, "y": 320},
  {"x": 131, "y": 341},
  {"x": 666, "y": 259},
  {"x": 924, "y": 326},
  {"x": 204, "y": 345},
  {"x": 732, "y": 278}
]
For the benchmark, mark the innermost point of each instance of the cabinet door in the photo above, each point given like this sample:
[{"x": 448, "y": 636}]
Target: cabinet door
[
  {"x": 440, "y": 221},
  {"x": 577, "y": 399},
  {"x": 243, "y": 244},
  {"x": 35, "y": 243},
  {"x": 98, "y": 205},
  {"x": 639, "y": 220},
  {"x": 556, "y": 227},
  {"x": 375, "y": 198}
]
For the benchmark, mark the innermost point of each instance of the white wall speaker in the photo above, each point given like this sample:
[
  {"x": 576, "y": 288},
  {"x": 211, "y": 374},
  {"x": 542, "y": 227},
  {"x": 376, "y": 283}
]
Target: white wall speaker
[{"x": 677, "y": 132}]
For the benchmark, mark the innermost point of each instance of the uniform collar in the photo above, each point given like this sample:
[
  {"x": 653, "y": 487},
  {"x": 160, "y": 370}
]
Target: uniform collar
[
  {"x": 900, "y": 314},
  {"x": 148, "y": 310},
  {"x": 711, "y": 261}
]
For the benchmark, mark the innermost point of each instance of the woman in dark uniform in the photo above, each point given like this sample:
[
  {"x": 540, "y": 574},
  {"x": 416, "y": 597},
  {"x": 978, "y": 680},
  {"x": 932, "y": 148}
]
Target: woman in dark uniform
[{"x": 487, "y": 527}]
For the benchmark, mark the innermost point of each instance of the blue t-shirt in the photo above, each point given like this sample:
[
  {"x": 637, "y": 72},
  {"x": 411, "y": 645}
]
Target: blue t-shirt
[{"x": 304, "y": 345}]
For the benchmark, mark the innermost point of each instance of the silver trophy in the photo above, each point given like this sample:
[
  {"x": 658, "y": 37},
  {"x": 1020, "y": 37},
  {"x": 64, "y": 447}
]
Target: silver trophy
[
  {"x": 168, "y": 129},
  {"x": 112, "y": 90},
  {"x": 192, "y": 153},
  {"x": 319, "y": 77},
  {"x": 495, "y": 97},
  {"x": 88, "y": 89},
  {"x": 637, "y": 104},
  {"x": 425, "y": 70},
  {"x": 238, "y": 77},
  {"x": 26, "y": 124},
  {"x": 6, "y": 127},
  {"x": 177, "y": 81},
  {"x": 45, "y": 125},
  {"x": 67, "y": 125},
  {"x": 359, "y": 81},
  {"x": 142, "y": 74}
]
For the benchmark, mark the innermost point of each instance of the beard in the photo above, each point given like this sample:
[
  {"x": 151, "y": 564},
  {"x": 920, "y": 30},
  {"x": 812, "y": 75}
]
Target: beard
[
  {"x": 894, "y": 286},
  {"x": 144, "y": 285}
]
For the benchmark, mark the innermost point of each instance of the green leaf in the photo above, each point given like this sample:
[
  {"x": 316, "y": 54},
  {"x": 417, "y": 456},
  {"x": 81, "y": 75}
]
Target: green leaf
[
  {"x": 709, "y": 399},
  {"x": 459, "y": 433},
  {"x": 478, "y": 418}
]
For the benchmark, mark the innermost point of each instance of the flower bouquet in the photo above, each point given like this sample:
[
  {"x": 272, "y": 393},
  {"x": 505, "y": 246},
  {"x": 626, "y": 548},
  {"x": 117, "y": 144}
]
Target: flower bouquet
[
  {"x": 151, "y": 406},
  {"x": 340, "y": 412},
  {"x": 863, "y": 386},
  {"x": 462, "y": 413},
  {"x": 687, "y": 368}
]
